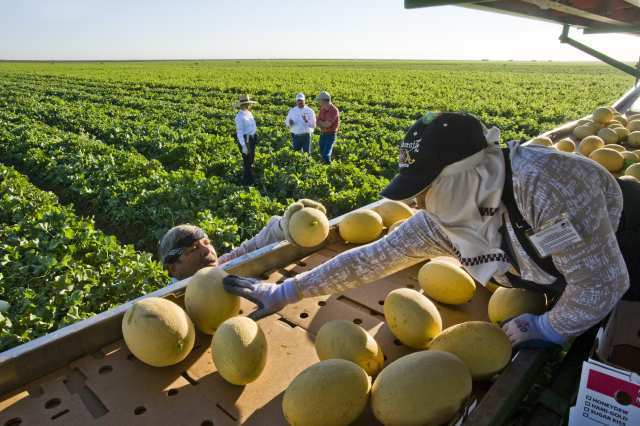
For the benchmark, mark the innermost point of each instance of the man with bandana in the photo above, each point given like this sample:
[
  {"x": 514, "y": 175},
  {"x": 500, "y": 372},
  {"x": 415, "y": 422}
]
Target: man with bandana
[
  {"x": 185, "y": 249},
  {"x": 526, "y": 216}
]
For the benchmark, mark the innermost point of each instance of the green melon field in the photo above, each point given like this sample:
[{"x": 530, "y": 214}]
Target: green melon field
[{"x": 98, "y": 160}]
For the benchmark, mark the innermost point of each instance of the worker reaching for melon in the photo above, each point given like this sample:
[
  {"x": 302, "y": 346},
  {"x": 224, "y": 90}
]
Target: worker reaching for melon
[
  {"x": 185, "y": 249},
  {"x": 526, "y": 216}
]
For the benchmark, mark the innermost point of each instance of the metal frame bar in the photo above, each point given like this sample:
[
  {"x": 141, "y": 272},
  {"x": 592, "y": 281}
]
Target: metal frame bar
[{"x": 564, "y": 38}]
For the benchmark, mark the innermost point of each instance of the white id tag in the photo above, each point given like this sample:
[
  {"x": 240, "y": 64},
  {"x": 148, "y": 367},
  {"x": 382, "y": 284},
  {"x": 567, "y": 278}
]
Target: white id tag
[{"x": 554, "y": 236}]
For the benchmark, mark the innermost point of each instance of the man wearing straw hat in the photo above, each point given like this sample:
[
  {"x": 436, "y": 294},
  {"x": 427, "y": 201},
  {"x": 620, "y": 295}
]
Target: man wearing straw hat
[
  {"x": 247, "y": 136},
  {"x": 301, "y": 121}
]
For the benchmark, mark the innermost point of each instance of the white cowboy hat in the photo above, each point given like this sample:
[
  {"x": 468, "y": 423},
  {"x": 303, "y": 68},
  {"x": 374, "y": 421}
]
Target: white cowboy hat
[{"x": 243, "y": 100}]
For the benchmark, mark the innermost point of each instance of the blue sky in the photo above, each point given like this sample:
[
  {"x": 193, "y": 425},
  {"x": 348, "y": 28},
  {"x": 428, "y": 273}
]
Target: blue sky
[{"x": 160, "y": 29}]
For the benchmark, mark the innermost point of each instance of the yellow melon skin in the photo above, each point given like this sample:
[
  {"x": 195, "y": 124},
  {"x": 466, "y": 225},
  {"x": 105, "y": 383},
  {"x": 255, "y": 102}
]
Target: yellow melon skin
[
  {"x": 341, "y": 339},
  {"x": 628, "y": 177},
  {"x": 331, "y": 392},
  {"x": 411, "y": 317},
  {"x": 361, "y": 226},
  {"x": 542, "y": 140},
  {"x": 395, "y": 225},
  {"x": 629, "y": 157},
  {"x": 447, "y": 283},
  {"x": 609, "y": 158},
  {"x": 308, "y": 227},
  {"x": 633, "y": 139},
  {"x": 492, "y": 287},
  {"x": 602, "y": 115},
  {"x": 239, "y": 350},
  {"x": 634, "y": 125},
  {"x": 507, "y": 303},
  {"x": 633, "y": 170},
  {"x": 615, "y": 147},
  {"x": 584, "y": 130},
  {"x": 609, "y": 136},
  {"x": 422, "y": 388},
  {"x": 483, "y": 347},
  {"x": 158, "y": 332},
  {"x": 565, "y": 145},
  {"x": 622, "y": 132},
  {"x": 393, "y": 211},
  {"x": 590, "y": 144},
  {"x": 206, "y": 301}
]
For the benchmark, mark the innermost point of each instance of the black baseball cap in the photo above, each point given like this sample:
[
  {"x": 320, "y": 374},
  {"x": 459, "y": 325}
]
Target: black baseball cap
[{"x": 433, "y": 142}]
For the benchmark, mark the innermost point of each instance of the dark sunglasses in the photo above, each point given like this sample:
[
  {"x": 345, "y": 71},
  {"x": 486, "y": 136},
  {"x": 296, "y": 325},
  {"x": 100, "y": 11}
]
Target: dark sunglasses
[{"x": 183, "y": 246}]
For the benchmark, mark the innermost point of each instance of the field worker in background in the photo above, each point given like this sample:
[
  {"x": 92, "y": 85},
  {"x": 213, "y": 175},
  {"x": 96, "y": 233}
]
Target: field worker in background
[
  {"x": 328, "y": 122},
  {"x": 301, "y": 120},
  {"x": 247, "y": 136},
  {"x": 528, "y": 216},
  {"x": 185, "y": 249}
]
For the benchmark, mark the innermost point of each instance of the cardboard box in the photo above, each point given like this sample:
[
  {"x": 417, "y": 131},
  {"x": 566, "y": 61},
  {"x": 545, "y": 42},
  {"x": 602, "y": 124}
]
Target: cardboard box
[{"x": 609, "y": 392}]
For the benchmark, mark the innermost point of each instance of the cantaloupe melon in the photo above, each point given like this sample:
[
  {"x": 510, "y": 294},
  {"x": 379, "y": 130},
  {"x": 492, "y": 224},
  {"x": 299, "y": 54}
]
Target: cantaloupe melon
[
  {"x": 343, "y": 339},
  {"x": 608, "y": 135},
  {"x": 507, "y": 303},
  {"x": 542, "y": 140},
  {"x": 483, "y": 347},
  {"x": 633, "y": 170},
  {"x": 206, "y": 301},
  {"x": 565, "y": 145},
  {"x": 361, "y": 226},
  {"x": 395, "y": 225},
  {"x": 610, "y": 159},
  {"x": 331, "y": 392},
  {"x": 308, "y": 227},
  {"x": 239, "y": 350},
  {"x": 602, "y": 115},
  {"x": 622, "y": 133},
  {"x": 590, "y": 144},
  {"x": 158, "y": 332},
  {"x": 584, "y": 130},
  {"x": 422, "y": 388},
  {"x": 634, "y": 125},
  {"x": 411, "y": 317},
  {"x": 445, "y": 282},
  {"x": 629, "y": 157},
  {"x": 633, "y": 139},
  {"x": 393, "y": 211}
]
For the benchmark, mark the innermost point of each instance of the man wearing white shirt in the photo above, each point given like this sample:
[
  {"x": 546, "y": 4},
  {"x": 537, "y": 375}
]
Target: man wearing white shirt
[
  {"x": 301, "y": 121},
  {"x": 247, "y": 136}
]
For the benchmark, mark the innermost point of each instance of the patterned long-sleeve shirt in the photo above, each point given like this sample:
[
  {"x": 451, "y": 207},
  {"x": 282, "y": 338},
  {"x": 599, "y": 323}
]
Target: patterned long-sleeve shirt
[{"x": 547, "y": 184}]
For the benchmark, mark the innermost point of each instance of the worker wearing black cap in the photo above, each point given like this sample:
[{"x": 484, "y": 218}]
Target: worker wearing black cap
[{"x": 526, "y": 216}]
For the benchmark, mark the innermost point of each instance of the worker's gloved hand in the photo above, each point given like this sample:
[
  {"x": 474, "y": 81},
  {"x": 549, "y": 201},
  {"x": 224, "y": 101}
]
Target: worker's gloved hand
[
  {"x": 244, "y": 148},
  {"x": 298, "y": 205},
  {"x": 532, "y": 331},
  {"x": 269, "y": 297}
]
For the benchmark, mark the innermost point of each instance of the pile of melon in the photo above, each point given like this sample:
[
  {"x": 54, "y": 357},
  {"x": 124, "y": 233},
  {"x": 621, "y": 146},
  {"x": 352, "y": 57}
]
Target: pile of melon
[
  {"x": 427, "y": 386},
  {"x": 160, "y": 333},
  {"x": 366, "y": 225},
  {"x": 607, "y": 137}
]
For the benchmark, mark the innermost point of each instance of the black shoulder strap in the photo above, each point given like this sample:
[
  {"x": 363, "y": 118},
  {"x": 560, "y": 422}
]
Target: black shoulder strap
[{"x": 520, "y": 226}]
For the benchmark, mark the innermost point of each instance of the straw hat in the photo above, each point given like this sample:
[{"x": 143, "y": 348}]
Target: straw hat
[{"x": 243, "y": 100}]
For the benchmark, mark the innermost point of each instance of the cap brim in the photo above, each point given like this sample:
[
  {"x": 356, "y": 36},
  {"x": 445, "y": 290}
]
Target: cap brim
[{"x": 403, "y": 187}]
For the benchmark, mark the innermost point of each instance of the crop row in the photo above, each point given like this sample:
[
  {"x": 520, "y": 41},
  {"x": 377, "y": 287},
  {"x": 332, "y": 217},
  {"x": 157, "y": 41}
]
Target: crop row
[{"x": 57, "y": 268}]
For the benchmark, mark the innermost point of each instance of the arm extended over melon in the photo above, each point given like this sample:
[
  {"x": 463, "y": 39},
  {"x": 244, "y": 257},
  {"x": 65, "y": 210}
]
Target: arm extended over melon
[
  {"x": 271, "y": 233},
  {"x": 594, "y": 269}
]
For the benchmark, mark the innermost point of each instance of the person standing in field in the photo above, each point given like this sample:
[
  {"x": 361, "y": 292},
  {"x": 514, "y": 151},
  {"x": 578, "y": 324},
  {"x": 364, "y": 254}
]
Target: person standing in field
[
  {"x": 247, "y": 136},
  {"x": 301, "y": 121},
  {"x": 328, "y": 122}
]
